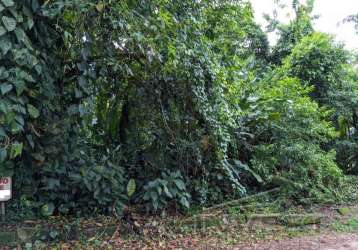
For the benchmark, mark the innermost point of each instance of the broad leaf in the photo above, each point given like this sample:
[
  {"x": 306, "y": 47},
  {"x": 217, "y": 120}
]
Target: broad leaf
[
  {"x": 30, "y": 140},
  {"x": 167, "y": 192},
  {"x": 5, "y": 44},
  {"x": 2, "y": 30},
  {"x": 5, "y": 88},
  {"x": 16, "y": 150},
  {"x": 9, "y": 23},
  {"x": 131, "y": 187},
  {"x": 3, "y": 155},
  {"x": 47, "y": 209},
  {"x": 34, "y": 113},
  {"x": 100, "y": 6},
  {"x": 180, "y": 184},
  {"x": 248, "y": 169},
  {"x": 184, "y": 201},
  {"x": 8, "y": 3},
  {"x": 2, "y": 132},
  {"x": 154, "y": 195}
]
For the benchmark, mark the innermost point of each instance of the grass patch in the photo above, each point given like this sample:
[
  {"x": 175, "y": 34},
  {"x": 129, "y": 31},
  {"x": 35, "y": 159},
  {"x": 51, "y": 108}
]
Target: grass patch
[{"x": 349, "y": 226}]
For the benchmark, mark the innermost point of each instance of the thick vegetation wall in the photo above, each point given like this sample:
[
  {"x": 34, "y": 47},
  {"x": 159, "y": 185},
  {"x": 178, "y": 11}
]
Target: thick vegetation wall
[{"x": 168, "y": 104}]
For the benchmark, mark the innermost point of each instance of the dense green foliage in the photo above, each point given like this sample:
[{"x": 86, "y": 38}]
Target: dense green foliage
[{"x": 168, "y": 104}]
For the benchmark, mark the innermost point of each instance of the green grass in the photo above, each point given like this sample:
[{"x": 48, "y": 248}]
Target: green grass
[{"x": 349, "y": 226}]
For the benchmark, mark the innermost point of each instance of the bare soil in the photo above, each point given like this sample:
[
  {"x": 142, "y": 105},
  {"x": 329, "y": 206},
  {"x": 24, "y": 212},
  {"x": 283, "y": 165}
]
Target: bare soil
[{"x": 330, "y": 241}]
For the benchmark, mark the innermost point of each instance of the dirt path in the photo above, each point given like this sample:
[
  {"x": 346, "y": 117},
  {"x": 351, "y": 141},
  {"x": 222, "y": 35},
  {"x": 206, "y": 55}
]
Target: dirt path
[{"x": 329, "y": 241}]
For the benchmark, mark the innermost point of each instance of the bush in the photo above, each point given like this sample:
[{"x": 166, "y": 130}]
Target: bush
[
  {"x": 170, "y": 188},
  {"x": 290, "y": 131}
]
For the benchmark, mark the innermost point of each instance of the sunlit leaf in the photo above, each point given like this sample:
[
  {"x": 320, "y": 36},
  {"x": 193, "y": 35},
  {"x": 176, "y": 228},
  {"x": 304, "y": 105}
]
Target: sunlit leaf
[
  {"x": 131, "y": 187},
  {"x": 16, "y": 150},
  {"x": 34, "y": 113},
  {"x": 9, "y": 23}
]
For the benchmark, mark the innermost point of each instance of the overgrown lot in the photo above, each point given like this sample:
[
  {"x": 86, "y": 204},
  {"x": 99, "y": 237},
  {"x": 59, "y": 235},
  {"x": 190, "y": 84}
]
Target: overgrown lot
[{"x": 153, "y": 108}]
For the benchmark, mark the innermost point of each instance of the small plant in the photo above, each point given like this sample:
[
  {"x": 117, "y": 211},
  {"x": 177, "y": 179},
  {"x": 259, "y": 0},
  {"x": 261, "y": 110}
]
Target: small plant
[{"x": 169, "y": 187}]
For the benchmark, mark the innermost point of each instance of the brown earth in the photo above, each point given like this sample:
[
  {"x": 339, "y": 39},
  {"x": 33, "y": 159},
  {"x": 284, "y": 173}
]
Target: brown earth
[{"x": 331, "y": 241}]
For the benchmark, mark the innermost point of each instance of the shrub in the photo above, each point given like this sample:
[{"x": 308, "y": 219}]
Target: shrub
[{"x": 290, "y": 131}]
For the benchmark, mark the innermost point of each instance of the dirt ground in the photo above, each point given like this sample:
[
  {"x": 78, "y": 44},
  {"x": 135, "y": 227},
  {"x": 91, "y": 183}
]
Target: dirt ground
[{"x": 331, "y": 241}]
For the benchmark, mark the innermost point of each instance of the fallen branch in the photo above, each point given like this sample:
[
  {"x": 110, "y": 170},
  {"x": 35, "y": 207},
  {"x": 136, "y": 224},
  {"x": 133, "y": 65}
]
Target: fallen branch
[
  {"x": 294, "y": 220},
  {"x": 242, "y": 200},
  {"x": 291, "y": 220}
]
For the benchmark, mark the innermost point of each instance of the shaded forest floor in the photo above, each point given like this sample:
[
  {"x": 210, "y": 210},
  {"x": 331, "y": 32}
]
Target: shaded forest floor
[{"x": 261, "y": 223}]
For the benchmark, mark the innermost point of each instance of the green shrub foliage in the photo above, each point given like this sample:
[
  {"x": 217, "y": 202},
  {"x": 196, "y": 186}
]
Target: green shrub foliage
[
  {"x": 40, "y": 135},
  {"x": 291, "y": 129},
  {"x": 168, "y": 104}
]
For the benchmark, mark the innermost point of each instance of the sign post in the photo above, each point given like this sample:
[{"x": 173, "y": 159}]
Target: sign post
[
  {"x": 3, "y": 211},
  {"x": 5, "y": 193}
]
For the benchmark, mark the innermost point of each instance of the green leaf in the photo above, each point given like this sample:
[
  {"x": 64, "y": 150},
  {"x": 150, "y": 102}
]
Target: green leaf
[
  {"x": 5, "y": 88},
  {"x": 2, "y": 132},
  {"x": 21, "y": 37},
  {"x": 54, "y": 234},
  {"x": 180, "y": 184},
  {"x": 184, "y": 201},
  {"x": 100, "y": 6},
  {"x": 5, "y": 44},
  {"x": 34, "y": 113},
  {"x": 9, "y": 118},
  {"x": 248, "y": 169},
  {"x": 19, "y": 18},
  {"x": 154, "y": 195},
  {"x": 30, "y": 18},
  {"x": 159, "y": 190},
  {"x": 20, "y": 87},
  {"x": 155, "y": 205},
  {"x": 16, "y": 150},
  {"x": 35, "y": 5},
  {"x": 47, "y": 209},
  {"x": 3, "y": 155},
  {"x": 2, "y": 30},
  {"x": 3, "y": 72},
  {"x": 31, "y": 141},
  {"x": 38, "y": 157},
  {"x": 16, "y": 128},
  {"x": 9, "y": 23},
  {"x": 275, "y": 116},
  {"x": 52, "y": 183},
  {"x": 146, "y": 196},
  {"x": 20, "y": 120},
  {"x": 8, "y": 3},
  {"x": 131, "y": 187},
  {"x": 167, "y": 193}
]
